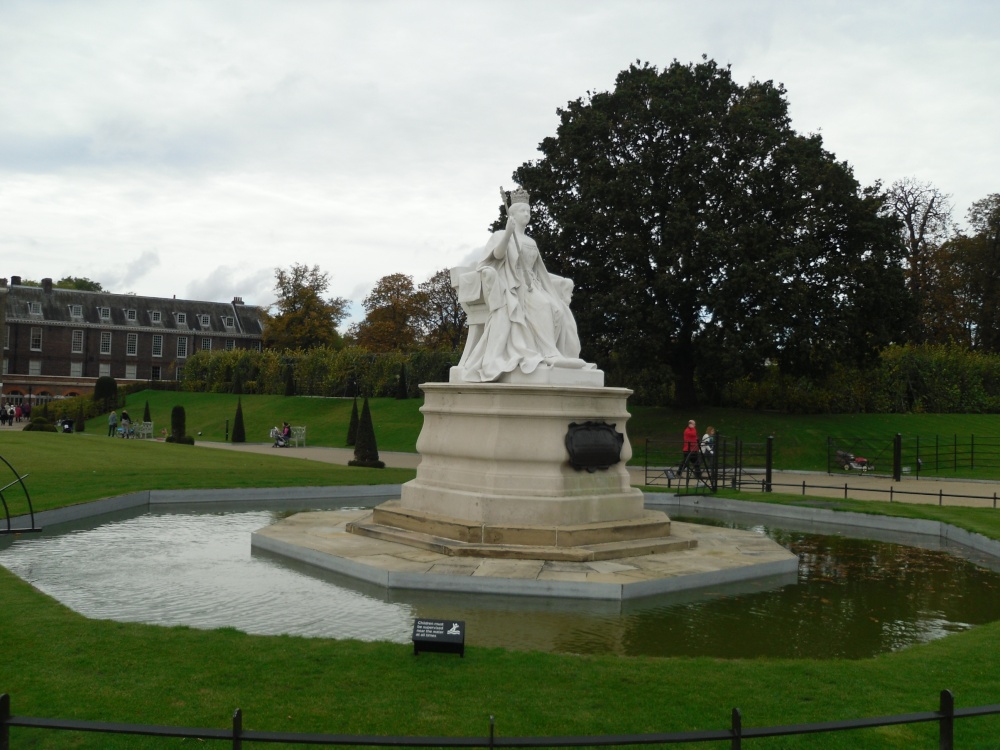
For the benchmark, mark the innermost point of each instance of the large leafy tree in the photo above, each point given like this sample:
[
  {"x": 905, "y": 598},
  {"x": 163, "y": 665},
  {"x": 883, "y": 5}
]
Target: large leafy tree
[
  {"x": 393, "y": 311},
  {"x": 81, "y": 283},
  {"x": 981, "y": 255},
  {"x": 442, "y": 320},
  {"x": 924, "y": 213},
  {"x": 302, "y": 318},
  {"x": 705, "y": 237}
]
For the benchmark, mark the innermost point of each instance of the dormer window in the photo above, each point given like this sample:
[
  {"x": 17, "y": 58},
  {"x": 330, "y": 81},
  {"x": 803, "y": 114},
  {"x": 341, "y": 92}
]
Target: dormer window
[
  {"x": 228, "y": 321},
  {"x": 76, "y": 311},
  {"x": 34, "y": 308},
  {"x": 205, "y": 320},
  {"x": 154, "y": 316},
  {"x": 130, "y": 316},
  {"x": 182, "y": 319},
  {"x": 104, "y": 313}
]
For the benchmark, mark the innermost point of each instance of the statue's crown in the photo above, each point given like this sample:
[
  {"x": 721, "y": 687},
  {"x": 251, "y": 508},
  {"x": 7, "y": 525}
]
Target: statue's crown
[{"x": 518, "y": 196}]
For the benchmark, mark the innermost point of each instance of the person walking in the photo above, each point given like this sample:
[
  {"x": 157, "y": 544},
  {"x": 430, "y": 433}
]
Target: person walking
[
  {"x": 112, "y": 423},
  {"x": 691, "y": 449}
]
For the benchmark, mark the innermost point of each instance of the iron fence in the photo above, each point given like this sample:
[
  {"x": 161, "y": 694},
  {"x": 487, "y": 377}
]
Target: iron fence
[
  {"x": 734, "y": 735},
  {"x": 731, "y": 463}
]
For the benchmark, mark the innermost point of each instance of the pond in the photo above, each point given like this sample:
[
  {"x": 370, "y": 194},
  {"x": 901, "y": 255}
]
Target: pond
[{"x": 853, "y": 598}]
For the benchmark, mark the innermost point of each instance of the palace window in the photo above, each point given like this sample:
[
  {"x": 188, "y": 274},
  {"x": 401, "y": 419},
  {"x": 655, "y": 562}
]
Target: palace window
[
  {"x": 154, "y": 316},
  {"x": 34, "y": 308},
  {"x": 76, "y": 343},
  {"x": 105, "y": 342},
  {"x": 157, "y": 345},
  {"x": 182, "y": 318},
  {"x": 36, "y": 339},
  {"x": 104, "y": 313},
  {"x": 205, "y": 320},
  {"x": 230, "y": 344},
  {"x": 182, "y": 347},
  {"x": 206, "y": 344},
  {"x": 131, "y": 316},
  {"x": 76, "y": 311},
  {"x": 34, "y": 367},
  {"x": 76, "y": 369},
  {"x": 130, "y": 372},
  {"x": 104, "y": 369},
  {"x": 132, "y": 344}
]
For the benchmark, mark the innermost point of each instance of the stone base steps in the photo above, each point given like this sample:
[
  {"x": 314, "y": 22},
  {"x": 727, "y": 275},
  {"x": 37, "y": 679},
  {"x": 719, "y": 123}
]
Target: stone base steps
[{"x": 598, "y": 550}]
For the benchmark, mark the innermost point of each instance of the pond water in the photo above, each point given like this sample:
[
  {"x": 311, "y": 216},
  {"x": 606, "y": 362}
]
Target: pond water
[{"x": 853, "y": 598}]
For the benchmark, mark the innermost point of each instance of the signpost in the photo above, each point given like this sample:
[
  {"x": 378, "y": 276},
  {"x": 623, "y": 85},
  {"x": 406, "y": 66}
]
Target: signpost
[{"x": 442, "y": 636}]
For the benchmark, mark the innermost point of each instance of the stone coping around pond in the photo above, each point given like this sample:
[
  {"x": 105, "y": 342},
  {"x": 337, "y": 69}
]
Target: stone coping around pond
[
  {"x": 656, "y": 500},
  {"x": 149, "y": 498},
  {"x": 845, "y": 519}
]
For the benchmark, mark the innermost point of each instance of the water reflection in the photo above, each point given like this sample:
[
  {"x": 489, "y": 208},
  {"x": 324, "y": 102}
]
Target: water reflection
[{"x": 853, "y": 598}]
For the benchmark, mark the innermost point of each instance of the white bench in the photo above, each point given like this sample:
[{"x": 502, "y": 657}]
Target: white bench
[
  {"x": 144, "y": 430},
  {"x": 298, "y": 436}
]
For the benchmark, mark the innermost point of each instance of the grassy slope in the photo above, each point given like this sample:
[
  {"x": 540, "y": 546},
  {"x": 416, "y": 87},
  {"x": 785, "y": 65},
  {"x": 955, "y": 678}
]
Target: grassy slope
[{"x": 800, "y": 439}]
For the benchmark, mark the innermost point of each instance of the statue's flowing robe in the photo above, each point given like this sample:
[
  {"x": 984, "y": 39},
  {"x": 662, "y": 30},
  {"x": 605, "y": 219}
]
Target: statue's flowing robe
[{"x": 529, "y": 316}]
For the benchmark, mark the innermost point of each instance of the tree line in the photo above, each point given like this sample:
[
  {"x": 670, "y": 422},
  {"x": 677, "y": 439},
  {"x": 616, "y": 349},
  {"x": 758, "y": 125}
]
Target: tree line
[{"x": 718, "y": 256}]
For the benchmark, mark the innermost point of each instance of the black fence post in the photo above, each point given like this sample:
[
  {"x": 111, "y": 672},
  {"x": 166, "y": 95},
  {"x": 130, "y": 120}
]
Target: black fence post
[
  {"x": 4, "y": 715},
  {"x": 238, "y": 729},
  {"x": 769, "y": 463},
  {"x": 737, "y": 719},
  {"x": 946, "y": 725},
  {"x": 493, "y": 728}
]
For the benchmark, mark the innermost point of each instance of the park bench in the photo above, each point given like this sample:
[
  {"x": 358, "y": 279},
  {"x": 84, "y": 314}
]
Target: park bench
[
  {"x": 144, "y": 430},
  {"x": 298, "y": 436}
]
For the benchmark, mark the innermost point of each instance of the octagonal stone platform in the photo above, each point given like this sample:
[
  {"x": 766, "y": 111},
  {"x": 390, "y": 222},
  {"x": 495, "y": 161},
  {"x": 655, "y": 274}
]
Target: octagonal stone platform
[{"x": 707, "y": 556}]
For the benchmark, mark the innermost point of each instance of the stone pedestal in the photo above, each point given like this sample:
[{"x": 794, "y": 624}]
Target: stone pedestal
[{"x": 496, "y": 454}]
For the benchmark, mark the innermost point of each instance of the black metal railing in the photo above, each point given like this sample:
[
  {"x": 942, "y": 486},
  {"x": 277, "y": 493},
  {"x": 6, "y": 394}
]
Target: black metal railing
[
  {"x": 731, "y": 463},
  {"x": 735, "y": 734},
  {"x": 17, "y": 481}
]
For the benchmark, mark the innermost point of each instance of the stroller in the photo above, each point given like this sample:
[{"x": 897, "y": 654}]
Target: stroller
[
  {"x": 279, "y": 437},
  {"x": 849, "y": 461}
]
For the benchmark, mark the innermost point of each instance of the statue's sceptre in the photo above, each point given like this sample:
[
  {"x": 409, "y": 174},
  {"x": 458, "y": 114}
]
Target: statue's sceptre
[{"x": 506, "y": 208}]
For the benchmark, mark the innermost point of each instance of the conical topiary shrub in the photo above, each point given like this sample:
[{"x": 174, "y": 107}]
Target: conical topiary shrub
[
  {"x": 81, "y": 419},
  {"x": 366, "y": 451},
  {"x": 178, "y": 427},
  {"x": 239, "y": 431},
  {"x": 145, "y": 414},
  {"x": 352, "y": 428}
]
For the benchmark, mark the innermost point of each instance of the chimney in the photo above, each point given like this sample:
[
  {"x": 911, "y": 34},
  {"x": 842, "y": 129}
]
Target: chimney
[
  {"x": 237, "y": 300},
  {"x": 47, "y": 286},
  {"x": 3, "y": 283},
  {"x": 15, "y": 281}
]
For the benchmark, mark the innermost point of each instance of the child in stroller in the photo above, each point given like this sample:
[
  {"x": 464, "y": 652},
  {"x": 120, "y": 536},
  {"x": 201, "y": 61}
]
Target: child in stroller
[{"x": 282, "y": 436}]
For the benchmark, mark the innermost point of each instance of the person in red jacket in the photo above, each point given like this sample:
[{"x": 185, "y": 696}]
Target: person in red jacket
[{"x": 692, "y": 450}]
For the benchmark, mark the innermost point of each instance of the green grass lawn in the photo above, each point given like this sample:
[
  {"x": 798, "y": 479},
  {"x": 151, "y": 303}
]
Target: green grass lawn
[
  {"x": 68, "y": 469},
  {"x": 56, "y": 663},
  {"x": 800, "y": 439}
]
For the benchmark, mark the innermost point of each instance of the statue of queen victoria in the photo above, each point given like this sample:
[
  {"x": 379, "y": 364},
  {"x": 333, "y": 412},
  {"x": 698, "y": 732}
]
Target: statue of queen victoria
[{"x": 520, "y": 326}]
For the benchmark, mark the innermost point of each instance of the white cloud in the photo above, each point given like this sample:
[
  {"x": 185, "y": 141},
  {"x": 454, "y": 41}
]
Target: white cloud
[{"x": 189, "y": 148}]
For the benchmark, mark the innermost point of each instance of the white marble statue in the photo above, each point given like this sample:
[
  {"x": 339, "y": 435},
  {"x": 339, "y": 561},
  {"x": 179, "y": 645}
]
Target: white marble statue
[{"x": 523, "y": 323}]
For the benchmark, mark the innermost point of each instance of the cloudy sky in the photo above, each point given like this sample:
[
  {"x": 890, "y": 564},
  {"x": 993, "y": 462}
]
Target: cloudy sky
[{"x": 183, "y": 147}]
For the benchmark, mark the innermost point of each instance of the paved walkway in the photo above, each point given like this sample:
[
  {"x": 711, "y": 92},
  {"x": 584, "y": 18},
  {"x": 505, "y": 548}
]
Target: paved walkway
[{"x": 965, "y": 492}]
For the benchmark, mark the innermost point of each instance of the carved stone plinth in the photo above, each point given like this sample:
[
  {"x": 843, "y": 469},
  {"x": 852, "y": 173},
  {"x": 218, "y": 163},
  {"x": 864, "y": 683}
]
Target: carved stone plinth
[{"x": 495, "y": 453}]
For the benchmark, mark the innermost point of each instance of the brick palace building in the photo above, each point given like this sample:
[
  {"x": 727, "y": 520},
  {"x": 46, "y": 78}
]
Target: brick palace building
[{"x": 57, "y": 342}]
